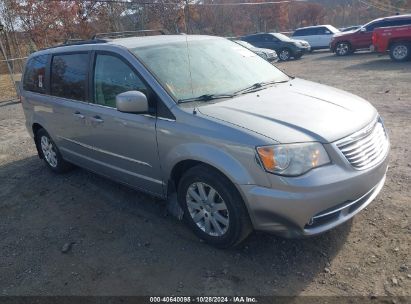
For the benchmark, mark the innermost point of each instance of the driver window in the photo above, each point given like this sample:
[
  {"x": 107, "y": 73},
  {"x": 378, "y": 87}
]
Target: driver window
[
  {"x": 268, "y": 38},
  {"x": 113, "y": 76},
  {"x": 372, "y": 26}
]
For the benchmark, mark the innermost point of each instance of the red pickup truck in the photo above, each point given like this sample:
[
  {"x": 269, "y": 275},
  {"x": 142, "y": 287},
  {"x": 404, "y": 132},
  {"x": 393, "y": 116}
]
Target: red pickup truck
[{"x": 396, "y": 40}]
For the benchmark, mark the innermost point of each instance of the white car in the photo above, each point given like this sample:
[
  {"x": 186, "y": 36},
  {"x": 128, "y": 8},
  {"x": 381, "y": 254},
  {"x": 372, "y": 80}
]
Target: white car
[{"x": 319, "y": 37}]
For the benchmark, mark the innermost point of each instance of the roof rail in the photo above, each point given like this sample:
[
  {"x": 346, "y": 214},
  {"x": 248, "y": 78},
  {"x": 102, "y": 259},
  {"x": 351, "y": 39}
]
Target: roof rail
[
  {"x": 69, "y": 42},
  {"x": 112, "y": 35},
  {"x": 76, "y": 41}
]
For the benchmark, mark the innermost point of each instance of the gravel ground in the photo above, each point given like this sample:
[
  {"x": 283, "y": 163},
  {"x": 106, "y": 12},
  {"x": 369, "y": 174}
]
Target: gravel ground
[{"x": 117, "y": 241}]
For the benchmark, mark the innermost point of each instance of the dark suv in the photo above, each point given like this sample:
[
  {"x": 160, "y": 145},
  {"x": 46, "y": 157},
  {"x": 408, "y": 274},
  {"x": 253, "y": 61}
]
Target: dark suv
[
  {"x": 285, "y": 47},
  {"x": 345, "y": 43}
]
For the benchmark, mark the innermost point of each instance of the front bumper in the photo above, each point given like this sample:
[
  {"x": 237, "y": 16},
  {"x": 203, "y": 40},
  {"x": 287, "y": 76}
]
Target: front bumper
[
  {"x": 314, "y": 203},
  {"x": 306, "y": 49}
]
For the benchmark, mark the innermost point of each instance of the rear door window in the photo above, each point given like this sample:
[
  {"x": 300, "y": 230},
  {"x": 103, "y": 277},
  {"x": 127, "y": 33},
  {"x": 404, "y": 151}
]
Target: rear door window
[
  {"x": 300, "y": 33},
  {"x": 311, "y": 31},
  {"x": 35, "y": 76},
  {"x": 69, "y": 74}
]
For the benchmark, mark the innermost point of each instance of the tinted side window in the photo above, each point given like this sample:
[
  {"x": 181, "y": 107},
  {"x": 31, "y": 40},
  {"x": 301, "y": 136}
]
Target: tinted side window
[
  {"x": 310, "y": 31},
  {"x": 35, "y": 75},
  {"x": 323, "y": 31},
  {"x": 399, "y": 22},
  {"x": 113, "y": 76},
  {"x": 69, "y": 76},
  {"x": 374, "y": 25},
  {"x": 253, "y": 38},
  {"x": 300, "y": 33}
]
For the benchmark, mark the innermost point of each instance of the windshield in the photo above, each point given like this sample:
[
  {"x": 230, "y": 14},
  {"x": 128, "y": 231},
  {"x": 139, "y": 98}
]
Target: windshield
[
  {"x": 333, "y": 29},
  {"x": 282, "y": 37},
  {"x": 197, "y": 67}
]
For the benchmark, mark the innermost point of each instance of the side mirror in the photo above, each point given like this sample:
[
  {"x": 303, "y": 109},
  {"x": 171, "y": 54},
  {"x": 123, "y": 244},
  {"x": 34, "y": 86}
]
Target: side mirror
[
  {"x": 132, "y": 102},
  {"x": 363, "y": 30}
]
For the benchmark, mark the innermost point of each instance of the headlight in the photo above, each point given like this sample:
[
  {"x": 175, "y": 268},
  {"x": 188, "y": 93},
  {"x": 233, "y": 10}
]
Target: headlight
[{"x": 292, "y": 159}]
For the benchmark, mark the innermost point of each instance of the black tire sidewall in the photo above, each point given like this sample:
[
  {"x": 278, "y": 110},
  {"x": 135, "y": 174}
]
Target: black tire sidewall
[{"x": 232, "y": 199}]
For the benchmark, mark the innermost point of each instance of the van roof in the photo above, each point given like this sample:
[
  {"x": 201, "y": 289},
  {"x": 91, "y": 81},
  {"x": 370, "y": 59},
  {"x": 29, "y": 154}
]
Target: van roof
[{"x": 129, "y": 42}]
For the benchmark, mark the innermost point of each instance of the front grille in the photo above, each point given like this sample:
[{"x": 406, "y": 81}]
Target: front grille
[{"x": 366, "y": 148}]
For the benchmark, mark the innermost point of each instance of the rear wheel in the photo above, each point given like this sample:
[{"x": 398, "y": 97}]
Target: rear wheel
[
  {"x": 213, "y": 208},
  {"x": 400, "y": 51},
  {"x": 284, "y": 55},
  {"x": 342, "y": 49},
  {"x": 50, "y": 153}
]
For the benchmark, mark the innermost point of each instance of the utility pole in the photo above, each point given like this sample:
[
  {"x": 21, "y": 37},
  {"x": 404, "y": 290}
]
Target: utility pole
[{"x": 187, "y": 16}]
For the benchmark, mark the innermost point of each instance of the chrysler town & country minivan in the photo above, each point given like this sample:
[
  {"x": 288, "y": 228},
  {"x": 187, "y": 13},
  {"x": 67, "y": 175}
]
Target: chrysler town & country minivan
[{"x": 244, "y": 146}]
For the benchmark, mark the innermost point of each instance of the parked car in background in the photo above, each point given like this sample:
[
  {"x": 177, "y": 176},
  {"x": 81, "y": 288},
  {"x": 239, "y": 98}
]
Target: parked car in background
[
  {"x": 267, "y": 54},
  {"x": 241, "y": 145},
  {"x": 319, "y": 37},
  {"x": 395, "y": 40},
  {"x": 285, "y": 47},
  {"x": 346, "y": 43},
  {"x": 350, "y": 28}
]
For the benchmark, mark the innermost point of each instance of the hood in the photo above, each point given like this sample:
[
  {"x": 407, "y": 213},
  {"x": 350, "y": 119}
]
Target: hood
[
  {"x": 267, "y": 51},
  {"x": 296, "y": 111},
  {"x": 303, "y": 42}
]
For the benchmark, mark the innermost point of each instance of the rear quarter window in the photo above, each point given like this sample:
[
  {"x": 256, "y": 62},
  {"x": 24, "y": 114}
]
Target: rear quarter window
[{"x": 35, "y": 75}]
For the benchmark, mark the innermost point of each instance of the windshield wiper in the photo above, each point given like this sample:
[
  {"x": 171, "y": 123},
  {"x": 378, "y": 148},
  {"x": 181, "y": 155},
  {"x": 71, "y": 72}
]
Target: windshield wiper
[
  {"x": 257, "y": 87},
  {"x": 206, "y": 97}
]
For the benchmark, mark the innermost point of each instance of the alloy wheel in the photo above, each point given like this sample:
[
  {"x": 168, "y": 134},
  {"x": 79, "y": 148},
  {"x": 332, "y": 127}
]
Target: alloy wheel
[
  {"x": 342, "y": 49},
  {"x": 49, "y": 151},
  {"x": 400, "y": 52},
  {"x": 285, "y": 55},
  {"x": 207, "y": 209}
]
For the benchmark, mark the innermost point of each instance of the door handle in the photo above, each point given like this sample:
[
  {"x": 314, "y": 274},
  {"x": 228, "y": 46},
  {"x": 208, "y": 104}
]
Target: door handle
[
  {"x": 78, "y": 115},
  {"x": 96, "y": 119}
]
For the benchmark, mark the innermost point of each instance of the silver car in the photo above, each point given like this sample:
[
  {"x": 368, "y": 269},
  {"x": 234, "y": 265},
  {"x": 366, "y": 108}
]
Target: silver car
[
  {"x": 242, "y": 145},
  {"x": 267, "y": 54}
]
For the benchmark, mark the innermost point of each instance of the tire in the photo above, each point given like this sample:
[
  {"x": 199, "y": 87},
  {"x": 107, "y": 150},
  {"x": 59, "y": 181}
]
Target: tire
[
  {"x": 343, "y": 49},
  {"x": 49, "y": 152},
  {"x": 400, "y": 51},
  {"x": 284, "y": 54},
  {"x": 221, "y": 218}
]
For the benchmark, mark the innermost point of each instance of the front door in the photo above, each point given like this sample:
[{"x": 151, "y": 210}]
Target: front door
[{"x": 120, "y": 145}]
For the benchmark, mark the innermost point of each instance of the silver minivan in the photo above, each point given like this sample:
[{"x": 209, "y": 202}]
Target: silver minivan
[{"x": 242, "y": 145}]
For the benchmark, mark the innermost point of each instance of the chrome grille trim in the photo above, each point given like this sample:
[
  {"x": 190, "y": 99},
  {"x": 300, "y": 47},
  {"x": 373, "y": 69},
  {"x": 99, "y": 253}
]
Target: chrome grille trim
[{"x": 365, "y": 148}]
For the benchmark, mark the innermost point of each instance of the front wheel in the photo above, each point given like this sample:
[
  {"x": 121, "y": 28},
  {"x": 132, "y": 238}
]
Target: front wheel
[
  {"x": 400, "y": 51},
  {"x": 285, "y": 55},
  {"x": 342, "y": 49},
  {"x": 213, "y": 208}
]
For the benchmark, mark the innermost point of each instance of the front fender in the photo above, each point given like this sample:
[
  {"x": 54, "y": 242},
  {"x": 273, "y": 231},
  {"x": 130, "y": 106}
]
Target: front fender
[{"x": 220, "y": 159}]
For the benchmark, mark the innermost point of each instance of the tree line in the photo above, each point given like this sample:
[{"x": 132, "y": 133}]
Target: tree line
[{"x": 47, "y": 22}]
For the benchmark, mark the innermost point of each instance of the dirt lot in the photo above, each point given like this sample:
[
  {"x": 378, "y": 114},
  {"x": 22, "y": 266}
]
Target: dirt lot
[
  {"x": 7, "y": 90},
  {"x": 123, "y": 244}
]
